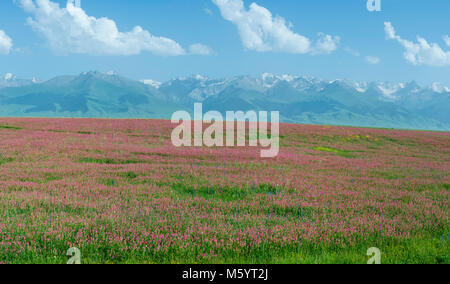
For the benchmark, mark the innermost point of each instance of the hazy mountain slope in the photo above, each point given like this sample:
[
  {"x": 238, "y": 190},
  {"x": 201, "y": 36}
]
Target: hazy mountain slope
[
  {"x": 91, "y": 94},
  {"x": 298, "y": 99},
  {"x": 338, "y": 103},
  {"x": 10, "y": 80}
]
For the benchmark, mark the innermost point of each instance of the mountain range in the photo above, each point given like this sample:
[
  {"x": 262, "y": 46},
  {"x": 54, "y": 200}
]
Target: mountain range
[{"x": 299, "y": 99}]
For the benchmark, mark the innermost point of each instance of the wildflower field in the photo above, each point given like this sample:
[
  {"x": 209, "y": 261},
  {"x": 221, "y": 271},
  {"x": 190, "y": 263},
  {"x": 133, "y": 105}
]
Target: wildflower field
[{"x": 121, "y": 193}]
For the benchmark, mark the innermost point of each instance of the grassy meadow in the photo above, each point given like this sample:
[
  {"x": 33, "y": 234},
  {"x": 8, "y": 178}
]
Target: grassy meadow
[{"x": 121, "y": 193}]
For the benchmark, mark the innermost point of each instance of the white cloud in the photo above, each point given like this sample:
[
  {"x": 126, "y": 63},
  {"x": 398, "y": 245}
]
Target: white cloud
[
  {"x": 420, "y": 53},
  {"x": 6, "y": 43},
  {"x": 372, "y": 59},
  {"x": 389, "y": 30},
  {"x": 447, "y": 40},
  {"x": 261, "y": 31},
  {"x": 326, "y": 44},
  {"x": 70, "y": 30},
  {"x": 200, "y": 49}
]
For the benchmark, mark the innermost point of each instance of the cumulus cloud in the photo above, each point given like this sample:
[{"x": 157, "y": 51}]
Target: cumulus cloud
[
  {"x": 447, "y": 40},
  {"x": 372, "y": 59},
  {"x": 70, "y": 30},
  {"x": 5, "y": 43},
  {"x": 326, "y": 44},
  {"x": 261, "y": 31},
  {"x": 420, "y": 52}
]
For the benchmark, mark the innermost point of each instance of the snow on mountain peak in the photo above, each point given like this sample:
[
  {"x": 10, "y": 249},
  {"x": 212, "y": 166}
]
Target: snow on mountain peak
[
  {"x": 9, "y": 76},
  {"x": 200, "y": 77},
  {"x": 287, "y": 78},
  {"x": 388, "y": 90},
  {"x": 360, "y": 87},
  {"x": 269, "y": 80},
  {"x": 153, "y": 83},
  {"x": 439, "y": 88},
  {"x": 283, "y": 77}
]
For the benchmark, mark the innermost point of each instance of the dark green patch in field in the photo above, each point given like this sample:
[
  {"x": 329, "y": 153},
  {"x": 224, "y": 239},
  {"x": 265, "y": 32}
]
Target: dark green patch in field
[
  {"x": 204, "y": 191},
  {"x": 51, "y": 177},
  {"x": 269, "y": 189},
  {"x": 10, "y": 127},
  {"x": 129, "y": 175},
  {"x": 433, "y": 187},
  {"x": 16, "y": 188},
  {"x": 131, "y": 178},
  {"x": 17, "y": 212},
  {"x": 298, "y": 212},
  {"x": 269, "y": 136},
  {"x": 389, "y": 175},
  {"x": 77, "y": 211},
  {"x": 65, "y": 209},
  {"x": 55, "y": 131},
  {"x": 84, "y": 132},
  {"x": 389, "y": 139},
  {"x": 396, "y": 173},
  {"x": 108, "y": 161},
  {"x": 226, "y": 193},
  {"x": 151, "y": 154},
  {"x": 4, "y": 160},
  {"x": 108, "y": 182}
]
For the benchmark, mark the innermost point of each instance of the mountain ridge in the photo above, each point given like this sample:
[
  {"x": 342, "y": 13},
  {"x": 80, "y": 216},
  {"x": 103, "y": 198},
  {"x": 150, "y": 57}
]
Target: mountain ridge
[{"x": 300, "y": 99}]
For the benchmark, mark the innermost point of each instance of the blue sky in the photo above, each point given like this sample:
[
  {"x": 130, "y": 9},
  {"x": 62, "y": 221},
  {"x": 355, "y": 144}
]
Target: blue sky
[{"x": 215, "y": 38}]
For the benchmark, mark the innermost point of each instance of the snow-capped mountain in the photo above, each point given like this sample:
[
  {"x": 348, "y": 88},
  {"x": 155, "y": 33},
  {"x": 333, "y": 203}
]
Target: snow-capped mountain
[
  {"x": 299, "y": 99},
  {"x": 314, "y": 100},
  {"x": 386, "y": 91}
]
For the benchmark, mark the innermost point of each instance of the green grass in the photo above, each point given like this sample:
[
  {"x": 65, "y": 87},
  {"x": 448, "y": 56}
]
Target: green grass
[
  {"x": 425, "y": 250},
  {"x": 108, "y": 161},
  {"x": 4, "y": 160},
  {"x": 342, "y": 153},
  {"x": 10, "y": 127},
  {"x": 109, "y": 182},
  {"x": 186, "y": 188},
  {"x": 119, "y": 194}
]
